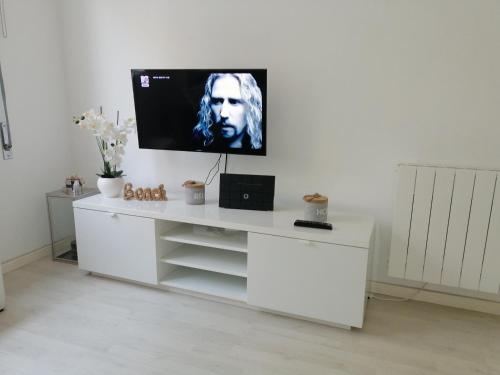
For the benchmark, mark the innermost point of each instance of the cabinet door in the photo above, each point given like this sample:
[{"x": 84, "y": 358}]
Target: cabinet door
[
  {"x": 306, "y": 278},
  {"x": 116, "y": 245}
]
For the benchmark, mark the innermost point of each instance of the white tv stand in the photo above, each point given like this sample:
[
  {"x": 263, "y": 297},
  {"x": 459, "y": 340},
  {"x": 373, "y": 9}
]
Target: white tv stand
[{"x": 253, "y": 258}]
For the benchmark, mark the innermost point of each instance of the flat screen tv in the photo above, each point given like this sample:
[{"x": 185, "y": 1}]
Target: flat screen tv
[{"x": 211, "y": 110}]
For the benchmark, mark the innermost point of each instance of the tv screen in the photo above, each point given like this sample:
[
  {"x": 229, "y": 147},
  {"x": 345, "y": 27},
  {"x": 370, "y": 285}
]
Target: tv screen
[{"x": 211, "y": 110}]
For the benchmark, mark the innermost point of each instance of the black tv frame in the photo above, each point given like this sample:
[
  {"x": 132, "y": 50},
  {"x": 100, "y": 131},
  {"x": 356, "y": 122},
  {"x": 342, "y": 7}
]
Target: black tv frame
[{"x": 135, "y": 73}]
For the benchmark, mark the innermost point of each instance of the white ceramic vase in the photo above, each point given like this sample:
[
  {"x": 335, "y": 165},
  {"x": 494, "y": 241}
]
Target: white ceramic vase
[{"x": 110, "y": 187}]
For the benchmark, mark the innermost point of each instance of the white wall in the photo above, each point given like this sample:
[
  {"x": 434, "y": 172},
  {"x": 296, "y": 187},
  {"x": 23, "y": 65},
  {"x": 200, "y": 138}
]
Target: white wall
[
  {"x": 354, "y": 87},
  {"x": 33, "y": 76}
]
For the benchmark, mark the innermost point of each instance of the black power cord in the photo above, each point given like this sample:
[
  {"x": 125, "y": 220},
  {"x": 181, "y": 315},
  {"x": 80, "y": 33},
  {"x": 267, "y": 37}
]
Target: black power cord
[{"x": 216, "y": 165}]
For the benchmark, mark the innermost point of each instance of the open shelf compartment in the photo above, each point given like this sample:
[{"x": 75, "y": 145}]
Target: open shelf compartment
[
  {"x": 208, "y": 236},
  {"x": 209, "y": 259},
  {"x": 211, "y": 283}
]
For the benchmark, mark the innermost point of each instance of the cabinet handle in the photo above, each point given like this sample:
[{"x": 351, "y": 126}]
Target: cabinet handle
[{"x": 112, "y": 214}]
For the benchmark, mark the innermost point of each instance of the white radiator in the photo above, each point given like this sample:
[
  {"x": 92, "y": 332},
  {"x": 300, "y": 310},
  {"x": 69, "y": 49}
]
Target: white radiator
[{"x": 446, "y": 227}]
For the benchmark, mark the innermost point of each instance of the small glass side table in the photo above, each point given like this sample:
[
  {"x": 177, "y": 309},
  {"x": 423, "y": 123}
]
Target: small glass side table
[{"x": 62, "y": 223}]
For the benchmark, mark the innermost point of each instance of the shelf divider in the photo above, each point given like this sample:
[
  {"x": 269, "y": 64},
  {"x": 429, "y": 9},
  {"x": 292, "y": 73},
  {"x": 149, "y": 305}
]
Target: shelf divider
[
  {"x": 211, "y": 283},
  {"x": 209, "y": 259},
  {"x": 216, "y": 238}
]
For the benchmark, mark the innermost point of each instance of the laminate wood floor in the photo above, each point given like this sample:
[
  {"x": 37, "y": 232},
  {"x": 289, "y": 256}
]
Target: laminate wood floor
[{"x": 59, "y": 320}]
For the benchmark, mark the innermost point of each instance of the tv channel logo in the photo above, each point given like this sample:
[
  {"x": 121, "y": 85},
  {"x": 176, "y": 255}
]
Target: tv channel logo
[{"x": 144, "y": 81}]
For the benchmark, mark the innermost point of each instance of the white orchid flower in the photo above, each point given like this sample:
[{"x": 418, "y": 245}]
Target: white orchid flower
[{"x": 111, "y": 138}]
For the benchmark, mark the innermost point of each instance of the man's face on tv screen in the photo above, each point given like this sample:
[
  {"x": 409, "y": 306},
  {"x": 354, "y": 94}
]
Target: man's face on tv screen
[{"x": 228, "y": 108}]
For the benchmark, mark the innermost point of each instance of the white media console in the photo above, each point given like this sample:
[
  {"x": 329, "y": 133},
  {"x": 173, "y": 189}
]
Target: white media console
[{"x": 252, "y": 258}]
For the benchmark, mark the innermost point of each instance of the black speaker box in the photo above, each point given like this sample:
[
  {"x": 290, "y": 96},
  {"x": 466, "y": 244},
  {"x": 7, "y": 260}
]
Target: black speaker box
[{"x": 246, "y": 192}]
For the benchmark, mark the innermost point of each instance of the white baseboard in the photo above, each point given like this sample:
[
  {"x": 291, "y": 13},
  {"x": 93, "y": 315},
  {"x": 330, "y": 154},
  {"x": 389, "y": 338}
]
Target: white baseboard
[
  {"x": 461, "y": 302},
  {"x": 25, "y": 259},
  {"x": 59, "y": 247}
]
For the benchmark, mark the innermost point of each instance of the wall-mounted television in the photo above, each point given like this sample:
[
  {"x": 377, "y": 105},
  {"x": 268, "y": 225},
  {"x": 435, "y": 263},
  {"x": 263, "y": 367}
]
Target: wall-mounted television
[{"x": 211, "y": 110}]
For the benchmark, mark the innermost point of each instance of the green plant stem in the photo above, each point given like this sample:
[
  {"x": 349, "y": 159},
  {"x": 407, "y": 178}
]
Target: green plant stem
[
  {"x": 109, "y": 171},
  {"x": 99, "y": 145}
]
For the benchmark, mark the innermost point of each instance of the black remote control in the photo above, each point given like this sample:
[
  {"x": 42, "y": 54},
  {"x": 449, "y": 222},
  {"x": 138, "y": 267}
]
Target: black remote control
[{"x": 312, "y": 224}]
